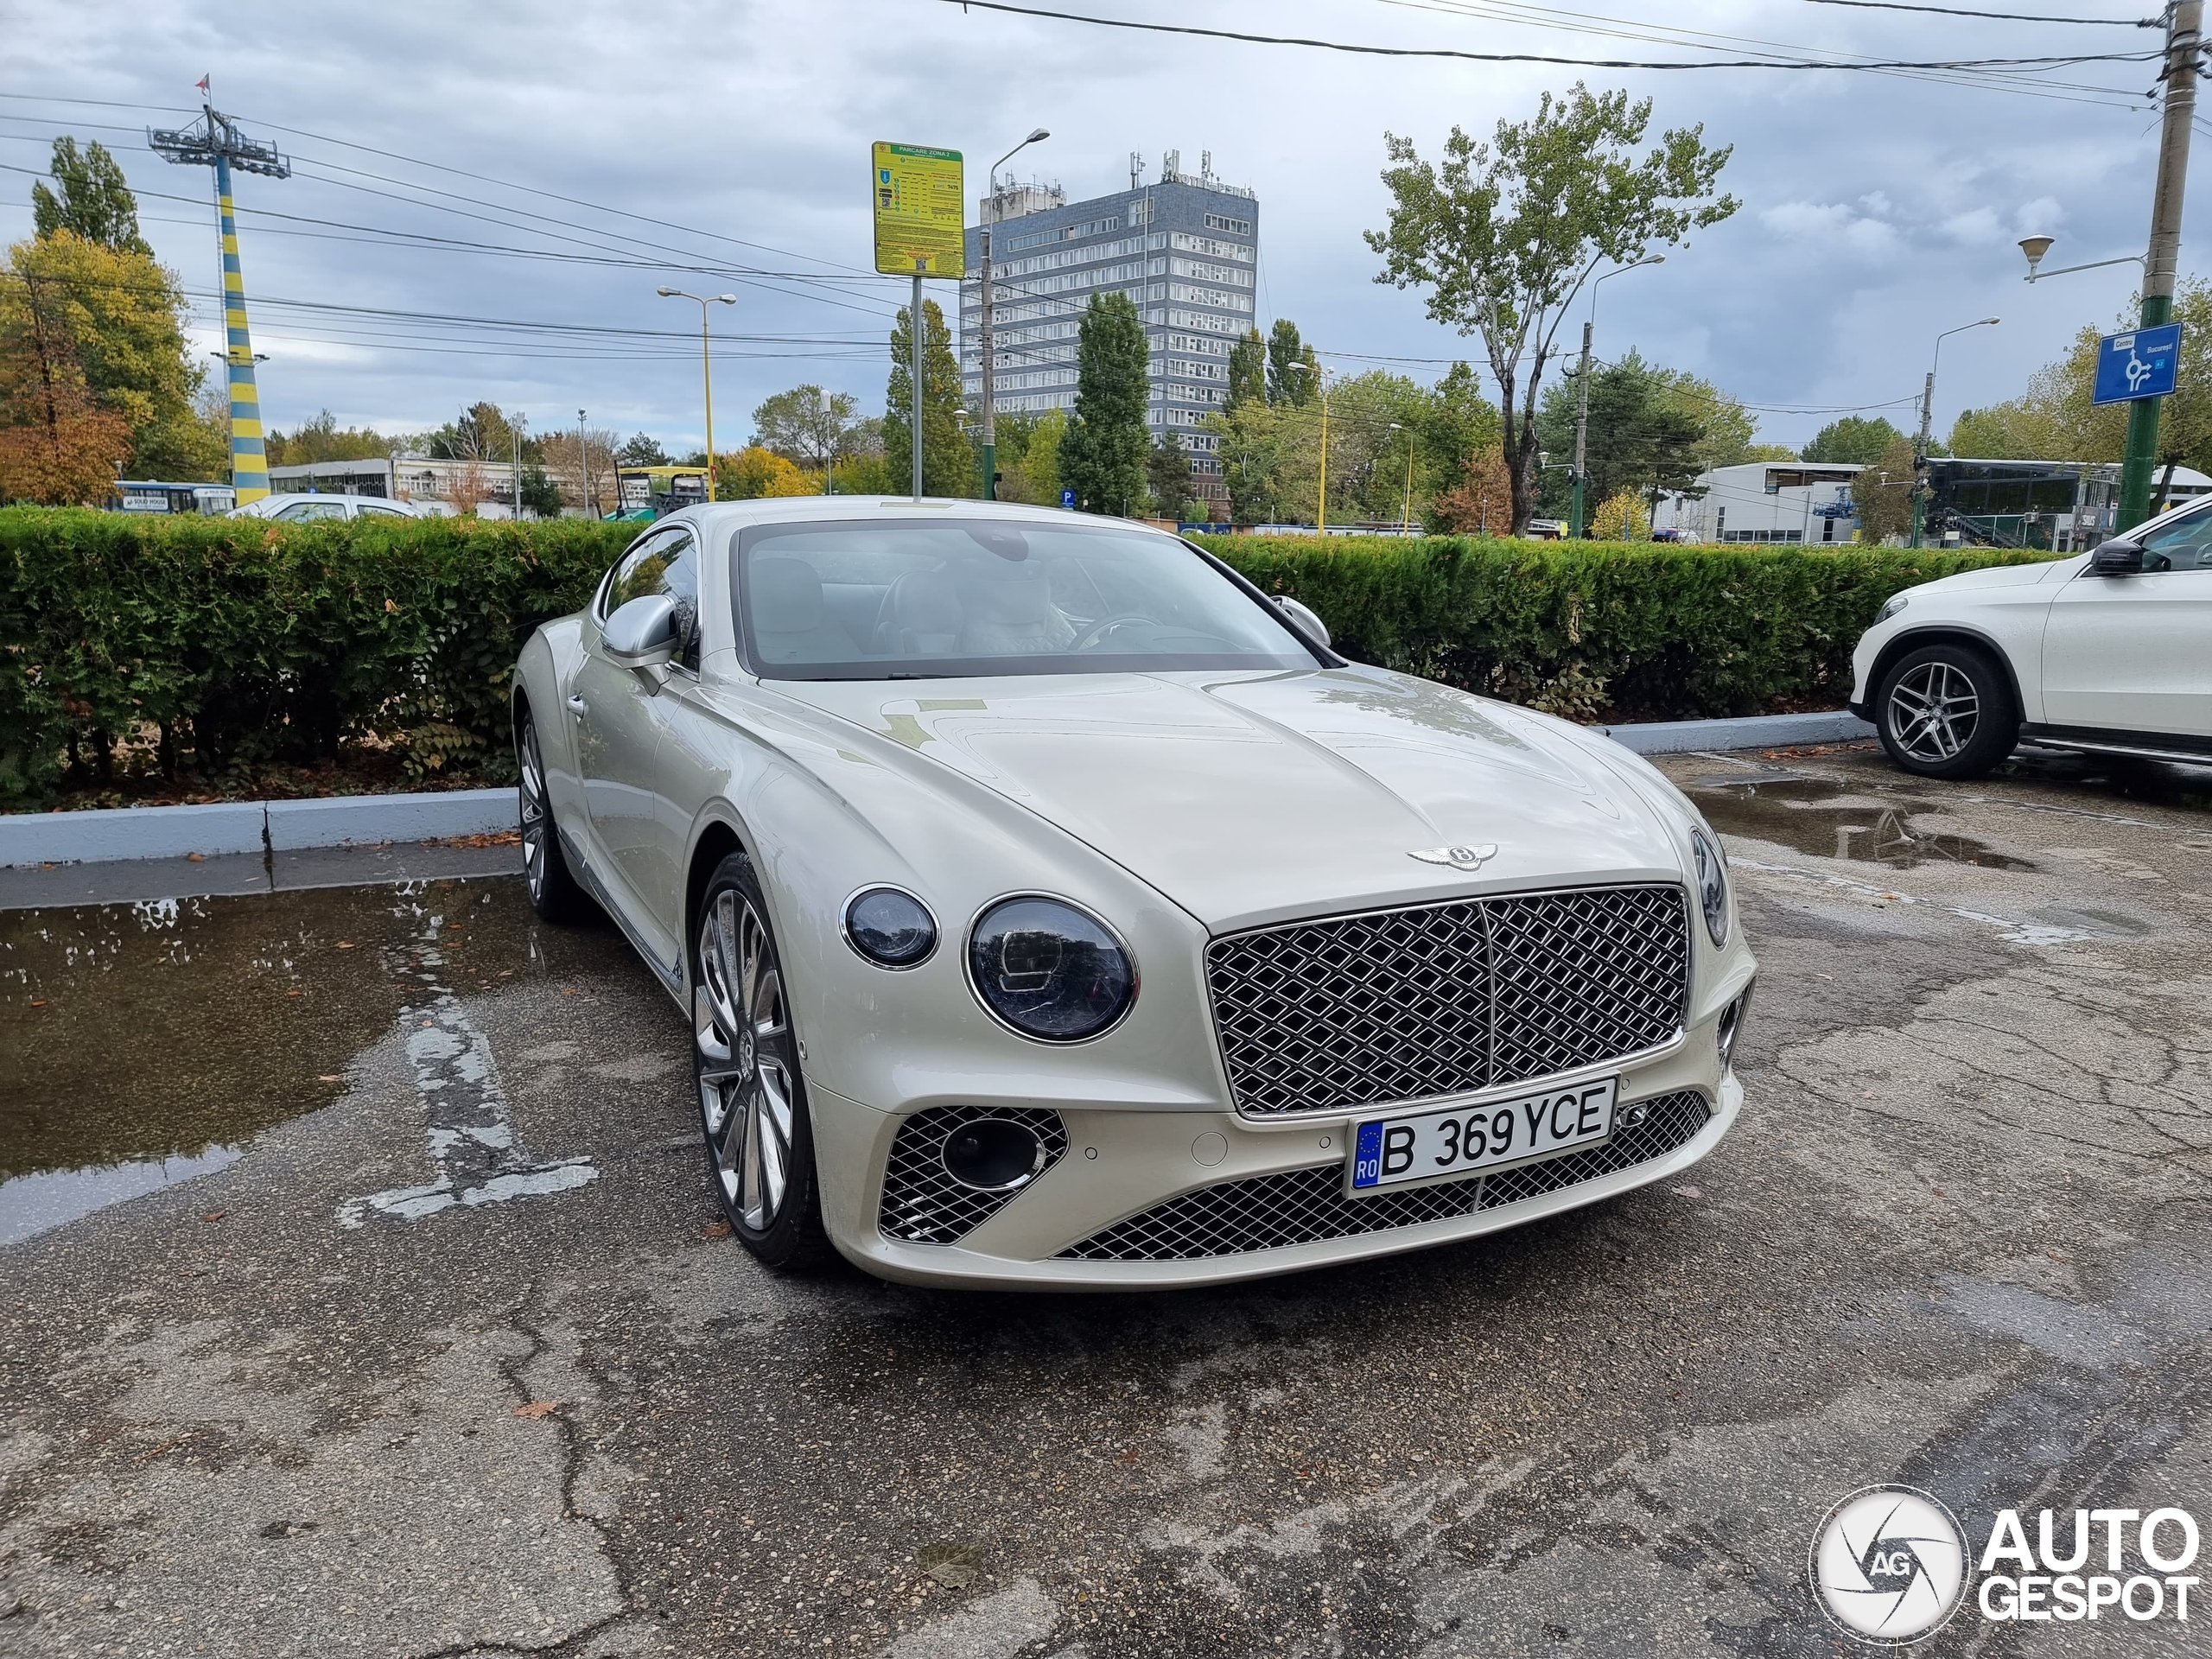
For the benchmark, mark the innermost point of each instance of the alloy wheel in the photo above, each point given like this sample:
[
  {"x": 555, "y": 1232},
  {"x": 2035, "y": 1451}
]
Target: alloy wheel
[
  {"x": 536, "y": 822},
  {"x": 1934, "y": 711},
  {"x": 742, "y": 1026}
]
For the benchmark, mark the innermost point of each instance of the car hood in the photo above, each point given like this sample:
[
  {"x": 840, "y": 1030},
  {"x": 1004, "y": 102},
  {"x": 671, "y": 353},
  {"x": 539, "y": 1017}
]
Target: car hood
[
  {"x": 1255, "y": 797},
  {"x": 1998, "y": 575}
]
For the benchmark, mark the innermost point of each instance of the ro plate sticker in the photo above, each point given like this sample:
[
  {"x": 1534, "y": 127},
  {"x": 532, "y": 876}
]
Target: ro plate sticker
[{"x": 1367, "y": 1157}]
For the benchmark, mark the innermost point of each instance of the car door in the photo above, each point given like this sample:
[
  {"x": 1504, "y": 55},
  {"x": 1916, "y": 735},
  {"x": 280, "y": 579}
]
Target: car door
[
  {"x": 617, "y": 734},
  {"x": 2134, "y": 653}
]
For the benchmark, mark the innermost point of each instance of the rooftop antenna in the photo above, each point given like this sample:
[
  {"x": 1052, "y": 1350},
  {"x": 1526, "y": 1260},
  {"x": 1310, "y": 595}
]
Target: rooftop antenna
[
  {"x": 215, "y": 141},
  {"x": 1136, "y": 168},
  {"x": 1171, "y": 167}
]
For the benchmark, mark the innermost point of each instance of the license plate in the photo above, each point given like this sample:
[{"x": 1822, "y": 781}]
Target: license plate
[{"x": 1467, "y": 1139}]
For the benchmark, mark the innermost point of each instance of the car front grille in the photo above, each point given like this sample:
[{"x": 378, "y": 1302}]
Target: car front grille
[
  {"x": 922, "y": 1203},
  {"x": 1304, "y": 1206},
  {"x": 1407, "y": 1005}
]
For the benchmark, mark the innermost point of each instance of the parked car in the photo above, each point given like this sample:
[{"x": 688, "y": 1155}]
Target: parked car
[
  {"x": 296, "y": 509},
  {"x": 1052, "y": 908},
  {"x": 2109, "y": 651}
]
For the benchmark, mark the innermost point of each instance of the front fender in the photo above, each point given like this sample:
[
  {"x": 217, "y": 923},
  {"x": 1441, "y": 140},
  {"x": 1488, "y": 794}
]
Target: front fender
[{"x": 542, "y": 675}]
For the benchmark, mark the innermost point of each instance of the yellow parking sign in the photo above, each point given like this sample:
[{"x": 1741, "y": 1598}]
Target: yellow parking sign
[{"x": 918, "y": 212}]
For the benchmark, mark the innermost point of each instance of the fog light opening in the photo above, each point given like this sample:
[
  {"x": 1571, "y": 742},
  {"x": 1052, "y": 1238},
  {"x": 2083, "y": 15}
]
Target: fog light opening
[
  {"x": 993, "y": 1155},
  {"x": 1730, "y": 1028}
]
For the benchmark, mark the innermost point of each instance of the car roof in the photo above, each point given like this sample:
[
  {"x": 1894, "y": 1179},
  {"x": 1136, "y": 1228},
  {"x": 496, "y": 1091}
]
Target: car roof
[{"x": 799, "y": 509}]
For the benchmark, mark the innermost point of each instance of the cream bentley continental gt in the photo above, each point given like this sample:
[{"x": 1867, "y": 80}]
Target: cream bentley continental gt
[{"x": 1053, "y": 909}]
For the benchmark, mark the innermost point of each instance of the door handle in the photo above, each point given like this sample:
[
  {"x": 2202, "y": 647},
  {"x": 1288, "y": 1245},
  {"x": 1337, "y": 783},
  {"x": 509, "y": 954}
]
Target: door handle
[{"x": 578, "y": 707}]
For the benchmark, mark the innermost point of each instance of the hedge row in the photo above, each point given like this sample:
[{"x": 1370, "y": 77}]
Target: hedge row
[
  {"x": 1651, "y": 631},
  {"x": 224, "y": 642}
]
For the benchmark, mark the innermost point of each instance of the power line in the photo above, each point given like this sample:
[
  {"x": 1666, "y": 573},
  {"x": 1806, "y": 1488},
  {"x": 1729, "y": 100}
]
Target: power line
[
  {"x": 2057, "y": 62},
  {"x": 2002, "y": 16}
]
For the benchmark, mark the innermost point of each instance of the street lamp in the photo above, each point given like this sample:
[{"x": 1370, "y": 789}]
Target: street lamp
[
  {"x": 990, "y": 417},
  {"x": 1405, "y": 523},
  {"x": 2036, "y": 246},
  {"x": 706, "y": 367},
  {"x": 1926, "y": 406},
  {"x": 1582, "y": 394}
]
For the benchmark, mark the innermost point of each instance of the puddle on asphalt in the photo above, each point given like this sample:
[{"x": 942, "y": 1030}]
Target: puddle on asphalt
[
  {"x": 1807, "y": 815},
  {"x": 141, "y": 1045}
]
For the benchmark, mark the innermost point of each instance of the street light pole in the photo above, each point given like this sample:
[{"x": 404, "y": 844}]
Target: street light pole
[
  {"x": 1927, "y": 410},
  {"x": 707, "y": 365},
  {"x": 1405, "y": 519},
  {"x": 990, "y": 353},
  {"x": 2184, "y": 47},
  {"x": 514, "y": 431},
  {"x": 1578, "y": 514}
]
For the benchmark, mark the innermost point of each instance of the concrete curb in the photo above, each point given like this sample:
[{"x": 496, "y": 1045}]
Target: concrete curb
[
  {"x": 257, "y": 827},
  {"x": 1751, "y": 732},
  {"x": 34, "y": 838}
]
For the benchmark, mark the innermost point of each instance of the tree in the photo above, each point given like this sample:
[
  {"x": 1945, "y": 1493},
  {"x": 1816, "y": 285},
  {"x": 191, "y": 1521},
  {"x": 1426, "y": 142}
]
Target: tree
[
  {"x": 805, "y": 425},
  {"x": 1029, "y": 456},
  {"x": 1294, "y": 372},
  {"x": 1854, "y": 440},
  {"x": 1167, "y": 471},
  {"x": 755, "y": 470},
  {"x": 1620, "y": 518},
  {"x": 95, "y": 203},
  {"x": 1646, "y": 432},
  {"x": 125, "y": 316},
  {"x": 1247, "y": 372},
  {"x": 948, "y": 460},
  {"x": 1881, "y": 496},
  {"x": 57, "y": 445},
  {"x": 1505, "y": 237},
  {"x": 1479, "y": 504},
  {"x": 482, "y": 432},
  {"x": 1102, "y": 456},
  {"x": 322, "y": 439},
  {"x": 642, "y": 451},
  {"x": 540, "y": 494}
]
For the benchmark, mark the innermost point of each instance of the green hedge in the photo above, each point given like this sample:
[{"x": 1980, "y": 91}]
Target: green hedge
[
  {"x": 229, "y": 642},
  {"x": 1653, "y": 630},
  {"x": 234, "y": 641}
]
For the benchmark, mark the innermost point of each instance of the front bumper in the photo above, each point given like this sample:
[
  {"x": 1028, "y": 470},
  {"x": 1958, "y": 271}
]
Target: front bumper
[{"x": 1128, "y": 1163}]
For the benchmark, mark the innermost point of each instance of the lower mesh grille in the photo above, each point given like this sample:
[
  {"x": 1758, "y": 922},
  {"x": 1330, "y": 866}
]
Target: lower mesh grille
[
  {"x": 1303, "y": 1206},
  {"x": 923, "y": 1205}
]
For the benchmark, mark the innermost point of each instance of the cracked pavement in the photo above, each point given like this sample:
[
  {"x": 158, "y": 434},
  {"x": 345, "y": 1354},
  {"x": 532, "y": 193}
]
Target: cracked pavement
[{"x": 384, "y": 1383}]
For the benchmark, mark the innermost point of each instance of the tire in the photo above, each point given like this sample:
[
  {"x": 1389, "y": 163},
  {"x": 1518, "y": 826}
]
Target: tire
[
  {"x": 554, "y": 892},
  {"x": 1947, "y": 711},
  {"x": 753, "y": 1111}
]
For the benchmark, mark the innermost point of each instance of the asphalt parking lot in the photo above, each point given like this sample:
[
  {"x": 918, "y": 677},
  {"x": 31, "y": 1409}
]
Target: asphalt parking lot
[{"x": 418, "y": 1337}]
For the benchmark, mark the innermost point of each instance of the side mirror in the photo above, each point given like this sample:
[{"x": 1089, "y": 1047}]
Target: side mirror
[
  {"x": 1302, "y": 618},
  {"x": 2116, "y": 558},
  {"x": 642, "y": 633}
]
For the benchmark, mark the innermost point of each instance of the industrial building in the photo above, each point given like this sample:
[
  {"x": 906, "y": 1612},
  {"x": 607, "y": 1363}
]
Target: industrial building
[{"x": 1184, "y": 248}]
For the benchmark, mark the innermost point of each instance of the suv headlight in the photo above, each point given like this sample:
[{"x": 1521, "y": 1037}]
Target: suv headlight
[
  {"x": 1891, "y": 607},
  {"x": 1712, "y": 885},
  {"x": 1050, "y": 970}
]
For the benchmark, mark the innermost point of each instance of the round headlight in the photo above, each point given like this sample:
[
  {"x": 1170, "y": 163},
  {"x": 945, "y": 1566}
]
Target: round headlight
[
  {"x": 890, "y": 928},
  {"x": 1050, "y": 970},
  {"x": 1712, "y": 885}
]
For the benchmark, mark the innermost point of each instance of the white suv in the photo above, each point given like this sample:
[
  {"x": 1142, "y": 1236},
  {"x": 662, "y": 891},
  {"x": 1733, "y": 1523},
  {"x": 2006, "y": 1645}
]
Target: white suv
[{"x": 2109, "y": 650}]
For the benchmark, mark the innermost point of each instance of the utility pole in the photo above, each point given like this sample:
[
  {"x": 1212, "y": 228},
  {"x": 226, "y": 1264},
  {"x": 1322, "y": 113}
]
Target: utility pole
[
  {"x": 583, "y": 466},
  {"x": 990, "y": 353},
  {"x": 914, "y": 335},
  {"x": 2184, "y": 48},
  {"x": 1920, "y": 462},
  {"x": 1581, "y": 433},
  {"x": 215, "y": 141},
  {"x": 514, "y": 429}
]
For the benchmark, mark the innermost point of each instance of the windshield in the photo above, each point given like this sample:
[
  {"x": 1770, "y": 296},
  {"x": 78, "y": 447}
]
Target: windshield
[{"x": 903, "y": 600}]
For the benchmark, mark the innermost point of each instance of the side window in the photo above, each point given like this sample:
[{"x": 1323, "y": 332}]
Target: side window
[
  {"x": 301, "y": 510},
  {"x": 2184, "y": 544},
  {"x": 667, "y": 565}
]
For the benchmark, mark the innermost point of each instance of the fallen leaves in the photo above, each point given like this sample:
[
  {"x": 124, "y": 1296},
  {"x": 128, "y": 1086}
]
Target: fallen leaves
[
  {"x": 715, "y": 1229},
  {"x": 196, "y": 858},
  {"x": 537, "y": 1408},
  {"x": 214, "y": 1215},
  {"x": 1688, "y": 1193},
  {"x": 330, "y": 1076}
]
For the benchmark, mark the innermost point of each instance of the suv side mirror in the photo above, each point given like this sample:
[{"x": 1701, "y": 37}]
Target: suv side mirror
[
  {"x": 2117, "y": 557},
  {"x": 643, "y": 634},
  {"x": 1302, "y": 618}
]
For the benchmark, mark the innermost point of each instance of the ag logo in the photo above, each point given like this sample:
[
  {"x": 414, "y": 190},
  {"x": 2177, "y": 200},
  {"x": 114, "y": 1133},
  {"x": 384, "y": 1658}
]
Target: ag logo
[
  {"x": 1460, "y": 858},
  {"x": 1889, "y": 1564}
]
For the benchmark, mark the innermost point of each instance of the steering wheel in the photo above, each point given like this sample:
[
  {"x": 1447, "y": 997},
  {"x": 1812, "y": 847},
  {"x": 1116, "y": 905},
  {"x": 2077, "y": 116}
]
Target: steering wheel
[{"x": 1096, "y": 631}]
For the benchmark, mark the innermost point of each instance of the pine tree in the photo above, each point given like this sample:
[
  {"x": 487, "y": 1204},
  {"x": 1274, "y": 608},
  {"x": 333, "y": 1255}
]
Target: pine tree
[
  {"x": 1293, "y": 374},
  {"x": 1102, "y": 456},
  {"x": 948, "y": 458}
]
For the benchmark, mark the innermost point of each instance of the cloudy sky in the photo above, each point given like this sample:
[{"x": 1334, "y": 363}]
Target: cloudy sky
[{"x": 461, "y": 168}]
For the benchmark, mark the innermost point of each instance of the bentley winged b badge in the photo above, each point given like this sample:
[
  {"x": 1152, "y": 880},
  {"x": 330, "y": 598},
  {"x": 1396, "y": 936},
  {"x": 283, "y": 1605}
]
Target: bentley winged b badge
[{"x": 1460, "y": 858}]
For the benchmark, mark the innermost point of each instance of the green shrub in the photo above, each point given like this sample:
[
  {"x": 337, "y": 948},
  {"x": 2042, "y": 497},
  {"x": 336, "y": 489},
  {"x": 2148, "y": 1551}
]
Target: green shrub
[
  {"x": 1655, "y": 630},
  {"x": 232, "y": 640}
]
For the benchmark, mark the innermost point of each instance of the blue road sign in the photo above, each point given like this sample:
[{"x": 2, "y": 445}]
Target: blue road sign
[
  {"x": 1067, "y": 501},
  {"x": 2138, "y": 364}
]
